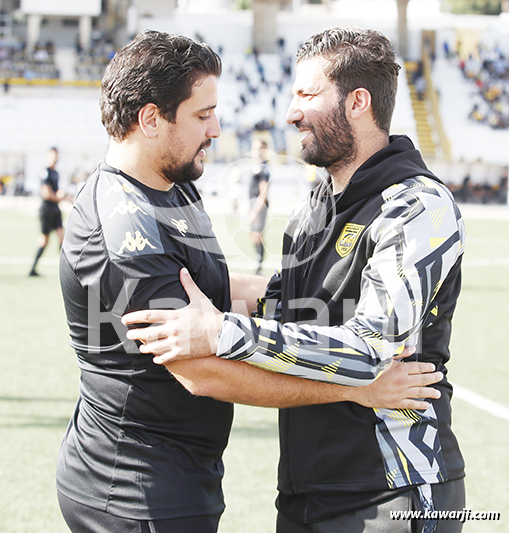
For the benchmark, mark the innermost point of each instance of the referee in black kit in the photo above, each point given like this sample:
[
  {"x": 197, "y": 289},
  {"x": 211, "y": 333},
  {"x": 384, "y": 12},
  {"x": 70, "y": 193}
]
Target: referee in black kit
[{"x": 49, "y": 212}]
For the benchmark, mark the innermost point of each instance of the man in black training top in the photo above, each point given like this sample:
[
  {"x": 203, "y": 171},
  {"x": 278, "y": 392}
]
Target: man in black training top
[
  {"x": 371, "y": 263},
  {"x": 141, "y": 453},
  {"x": 49, "y": 213}
]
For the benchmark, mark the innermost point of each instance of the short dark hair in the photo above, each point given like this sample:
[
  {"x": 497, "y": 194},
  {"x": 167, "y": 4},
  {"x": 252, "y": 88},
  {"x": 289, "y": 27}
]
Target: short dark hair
[
  {"x": 356, "y": 58},
  {"x": 157, "y": 68}
]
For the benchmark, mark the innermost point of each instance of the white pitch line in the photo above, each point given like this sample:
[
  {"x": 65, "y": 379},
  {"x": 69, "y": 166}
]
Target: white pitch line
[
  {"x": 485, "y": 241},
  {"x": 494, "y": 408}
]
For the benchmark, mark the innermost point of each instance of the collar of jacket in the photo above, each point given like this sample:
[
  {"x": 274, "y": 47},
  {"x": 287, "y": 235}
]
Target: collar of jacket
[{"x": 398, "y": 161}]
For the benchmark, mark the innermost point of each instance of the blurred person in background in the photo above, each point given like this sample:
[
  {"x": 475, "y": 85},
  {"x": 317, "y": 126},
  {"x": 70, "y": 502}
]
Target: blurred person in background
[
  {"x": 258, "y": 199},
  {"x": 50, "y": 214}
]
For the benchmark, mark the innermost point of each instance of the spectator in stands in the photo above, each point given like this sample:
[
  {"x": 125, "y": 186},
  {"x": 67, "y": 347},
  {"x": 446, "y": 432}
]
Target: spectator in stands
[
  {"x": 476, "y": 114},
  {"x": 465, "y": 193},
  {"x": 420, "y": 87},
  {"x": 501, "y": 193},
  {"x": 490, "y": 75}
]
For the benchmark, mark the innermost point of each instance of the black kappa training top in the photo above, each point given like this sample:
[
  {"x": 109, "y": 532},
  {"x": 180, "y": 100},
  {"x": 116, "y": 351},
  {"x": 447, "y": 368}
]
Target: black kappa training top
[{"x": 139, "y": 445}]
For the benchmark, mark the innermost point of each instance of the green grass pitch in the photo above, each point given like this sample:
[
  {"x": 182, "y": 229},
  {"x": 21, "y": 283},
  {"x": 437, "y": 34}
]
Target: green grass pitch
[{"x": 39, "y": 383}]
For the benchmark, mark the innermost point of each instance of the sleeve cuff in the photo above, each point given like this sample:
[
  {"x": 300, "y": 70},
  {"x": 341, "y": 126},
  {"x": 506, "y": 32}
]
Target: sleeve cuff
[{"x": 231, "y": 339}]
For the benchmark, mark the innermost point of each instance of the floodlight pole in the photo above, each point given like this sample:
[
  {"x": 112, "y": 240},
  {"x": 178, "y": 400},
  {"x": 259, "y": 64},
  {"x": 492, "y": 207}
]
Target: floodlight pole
[
  {"x": 264, "y": 25},
  {"x": 402, "y": 28}
]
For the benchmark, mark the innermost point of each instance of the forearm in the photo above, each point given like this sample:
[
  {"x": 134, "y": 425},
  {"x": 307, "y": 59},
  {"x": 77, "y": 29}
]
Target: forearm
[
  {"x": 50, "y": 195},
  {"x": 237, "y": 382},
  {"x": 245, "y": 290}
]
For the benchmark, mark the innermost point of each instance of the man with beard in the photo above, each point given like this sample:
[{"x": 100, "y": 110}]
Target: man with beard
[
  {"x": 140, "y": 453},
  {"x": 371, "y": 263}
]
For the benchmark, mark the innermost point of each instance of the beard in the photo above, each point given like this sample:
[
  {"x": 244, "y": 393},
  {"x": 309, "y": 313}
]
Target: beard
[
  {"x": 334, "y": 143},
  {"x": 185, "y": 172}
]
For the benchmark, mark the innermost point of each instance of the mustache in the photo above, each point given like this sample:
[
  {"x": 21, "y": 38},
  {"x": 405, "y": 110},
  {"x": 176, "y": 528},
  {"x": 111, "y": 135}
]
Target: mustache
[
  {"x": 204, "y": 145},
  {"x": 300, "y": 124}
]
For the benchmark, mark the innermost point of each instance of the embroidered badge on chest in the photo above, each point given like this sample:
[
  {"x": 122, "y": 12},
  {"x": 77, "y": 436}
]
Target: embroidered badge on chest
[{"x": 348, "y": 238}]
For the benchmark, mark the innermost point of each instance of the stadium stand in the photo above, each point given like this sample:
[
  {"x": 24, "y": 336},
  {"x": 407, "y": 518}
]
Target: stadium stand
[{"x": 255, "y": 91}]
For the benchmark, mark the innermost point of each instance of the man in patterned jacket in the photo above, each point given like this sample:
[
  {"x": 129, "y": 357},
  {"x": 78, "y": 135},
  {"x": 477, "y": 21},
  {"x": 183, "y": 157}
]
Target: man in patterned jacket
[{"x": 371, "y": 263}]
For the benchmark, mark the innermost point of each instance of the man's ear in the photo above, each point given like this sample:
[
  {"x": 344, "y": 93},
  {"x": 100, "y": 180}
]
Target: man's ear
[
  {"x": 360, "y": 102},
  {"x": 148, "y": 120}
]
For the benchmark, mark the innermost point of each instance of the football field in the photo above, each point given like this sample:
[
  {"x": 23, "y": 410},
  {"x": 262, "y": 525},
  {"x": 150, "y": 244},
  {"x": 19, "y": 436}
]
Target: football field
[{"x": 39, "y": 379}]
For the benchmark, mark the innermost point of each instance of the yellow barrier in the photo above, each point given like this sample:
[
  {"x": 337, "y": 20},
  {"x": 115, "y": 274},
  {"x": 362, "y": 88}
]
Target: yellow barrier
[
  {"x": 432, "y": 96},
  {"x": 44, "y": 82}
]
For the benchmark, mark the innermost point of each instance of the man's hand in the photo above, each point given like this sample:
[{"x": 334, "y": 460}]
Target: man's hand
[
  {"x": 181, "y": 334},
  {"x": 400, "y": 386}
]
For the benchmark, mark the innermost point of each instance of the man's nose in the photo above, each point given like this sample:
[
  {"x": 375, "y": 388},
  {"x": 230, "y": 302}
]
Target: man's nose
[
  {"x": 294, "y": 113},
  {"x": 214, "y": 130}
]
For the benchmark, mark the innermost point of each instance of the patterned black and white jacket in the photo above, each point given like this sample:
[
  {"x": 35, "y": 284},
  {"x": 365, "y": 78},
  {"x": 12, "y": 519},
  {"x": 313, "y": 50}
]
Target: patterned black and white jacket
[{"x": 364, "y": 273}]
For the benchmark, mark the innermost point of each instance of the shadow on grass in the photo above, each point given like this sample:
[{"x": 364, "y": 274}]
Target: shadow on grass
[
  {"x": 34, "y": 422},
  {"x": 21, "y": 280},
  {"x": 263, "y": 430},
  {"x": 36, "y": 400},
  {"x": 18, "y": 278}
]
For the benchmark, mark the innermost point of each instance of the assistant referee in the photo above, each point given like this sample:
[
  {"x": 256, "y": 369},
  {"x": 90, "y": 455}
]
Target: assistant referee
[{"x": 49, "y": 212}]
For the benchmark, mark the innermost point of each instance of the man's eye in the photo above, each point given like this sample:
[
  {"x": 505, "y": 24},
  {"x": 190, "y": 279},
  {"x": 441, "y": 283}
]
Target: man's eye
[{"x": 205, "y": 117}]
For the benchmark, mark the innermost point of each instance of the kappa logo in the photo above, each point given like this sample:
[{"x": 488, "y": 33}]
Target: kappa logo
[
  {"x": 348, "y": 238},
  {"x": 123, "y": 208},
  {"x": 134, "y": 243},
  {"x": 119, "y": 187},
  {"x": 181, "y": 225}
]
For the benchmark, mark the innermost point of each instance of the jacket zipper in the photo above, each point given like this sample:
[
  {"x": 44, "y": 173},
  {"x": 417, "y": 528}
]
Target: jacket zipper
[{"x": 311, "y": 250}]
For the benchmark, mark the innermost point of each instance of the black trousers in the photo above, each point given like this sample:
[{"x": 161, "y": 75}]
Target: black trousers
[
  {"x": 83, "y": 519},
  {"x": 448, "y": 496}
]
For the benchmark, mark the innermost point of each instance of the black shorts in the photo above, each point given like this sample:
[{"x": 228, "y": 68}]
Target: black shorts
[
  {"x": 83, "y": 519},
  {"x": 50, "y": 217},
  {"x": 449, "y": 496}
]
